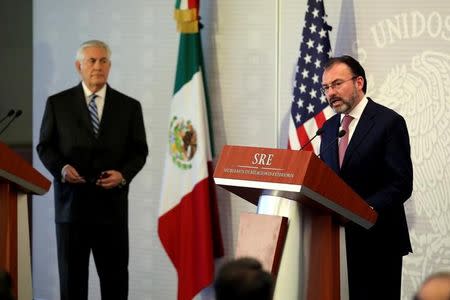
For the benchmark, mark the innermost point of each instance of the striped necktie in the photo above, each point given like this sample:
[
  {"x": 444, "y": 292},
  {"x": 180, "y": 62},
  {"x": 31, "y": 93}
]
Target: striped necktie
[{"x": 93, "y": 113}]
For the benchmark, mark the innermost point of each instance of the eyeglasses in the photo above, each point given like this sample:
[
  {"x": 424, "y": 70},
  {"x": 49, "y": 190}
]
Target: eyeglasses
[{"x": 334, "y": 85}]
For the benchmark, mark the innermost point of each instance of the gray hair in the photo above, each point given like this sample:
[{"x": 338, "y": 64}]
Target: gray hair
[{"x": 92, "y": 43}]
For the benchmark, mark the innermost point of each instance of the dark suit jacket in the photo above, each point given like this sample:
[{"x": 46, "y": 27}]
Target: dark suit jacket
[
  {"x": 377, "y": 165},
  {"x": 67, "y": 137}
]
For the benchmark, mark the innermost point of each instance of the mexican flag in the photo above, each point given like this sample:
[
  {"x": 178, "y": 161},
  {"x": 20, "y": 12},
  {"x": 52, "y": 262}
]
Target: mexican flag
[{"x": 188, "y": 224}]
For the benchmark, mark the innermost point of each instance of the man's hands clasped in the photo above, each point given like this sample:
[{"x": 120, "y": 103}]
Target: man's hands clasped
[{"x": 108, "y": 179}]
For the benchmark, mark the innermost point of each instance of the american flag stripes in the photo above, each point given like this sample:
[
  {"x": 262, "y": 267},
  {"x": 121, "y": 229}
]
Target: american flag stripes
[{"x": 309, "y": 108}]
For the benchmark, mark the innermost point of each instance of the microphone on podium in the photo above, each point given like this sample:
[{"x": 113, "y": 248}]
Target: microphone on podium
[
  {"x": 16, "y": 115},
  {"x": 318, "y": 132},
  {"x": 340, "y": 134}
]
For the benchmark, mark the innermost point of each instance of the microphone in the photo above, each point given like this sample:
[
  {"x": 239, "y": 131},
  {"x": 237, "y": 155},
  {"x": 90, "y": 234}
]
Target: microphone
[
  {"x": 318, "y": 132},
  {"x": 16, "y": 115},
  {"x": 340, "y": 134},
  {"x": 9, "y": 114}
]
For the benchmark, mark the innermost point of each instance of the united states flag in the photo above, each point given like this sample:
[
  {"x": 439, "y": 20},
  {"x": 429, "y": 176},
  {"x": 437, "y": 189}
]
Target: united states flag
[{"x": 309, "y": 107}]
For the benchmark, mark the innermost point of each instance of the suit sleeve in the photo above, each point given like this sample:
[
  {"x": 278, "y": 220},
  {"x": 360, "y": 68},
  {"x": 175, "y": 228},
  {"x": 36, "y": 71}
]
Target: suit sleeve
[
  {"x": 397, "y": 170},
  {"x": 138, "y": 146},
  {"x": 47, "y": 148}
]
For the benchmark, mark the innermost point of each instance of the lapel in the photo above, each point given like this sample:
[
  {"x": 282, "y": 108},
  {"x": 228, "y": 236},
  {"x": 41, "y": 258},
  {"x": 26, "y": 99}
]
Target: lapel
[
  {"x": 108, "y": 109},
  {"x": 80, "y": 109},
  {"x": 83, "y": 111},
  {"x": 361, "y": 133},
  {"x": 335, "y": 124}
]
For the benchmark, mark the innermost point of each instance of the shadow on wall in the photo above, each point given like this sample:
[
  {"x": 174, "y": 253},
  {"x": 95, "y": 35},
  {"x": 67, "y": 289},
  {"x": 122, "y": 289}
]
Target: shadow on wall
[{"x": 210, "y": 19}]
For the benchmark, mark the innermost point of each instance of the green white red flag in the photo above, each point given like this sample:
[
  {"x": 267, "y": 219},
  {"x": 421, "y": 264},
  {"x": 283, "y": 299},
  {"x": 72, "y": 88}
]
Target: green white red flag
[{"x": 188, "y": 224}]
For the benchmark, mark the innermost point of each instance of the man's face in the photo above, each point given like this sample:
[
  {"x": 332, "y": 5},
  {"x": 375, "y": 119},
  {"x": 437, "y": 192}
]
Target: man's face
[
  {"x": 94, "y": 69},
  {"x": 343, "y": 90}
]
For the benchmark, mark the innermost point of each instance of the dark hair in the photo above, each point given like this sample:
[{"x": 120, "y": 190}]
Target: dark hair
[
  {"x": 243, "y": 278},
  {"x": 5, "y": 286},
  {"x": 352, "y": 63}
]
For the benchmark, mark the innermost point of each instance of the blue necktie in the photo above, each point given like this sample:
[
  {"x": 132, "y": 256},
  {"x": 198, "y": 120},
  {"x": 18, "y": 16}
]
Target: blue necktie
[{"x": 94, "y": 113}]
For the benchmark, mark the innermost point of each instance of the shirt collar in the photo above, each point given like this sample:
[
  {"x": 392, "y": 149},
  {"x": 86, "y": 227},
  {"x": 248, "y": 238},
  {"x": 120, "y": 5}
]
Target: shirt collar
[
  {"x": 87, "y": 92},
  {"x": 358, "y": 109}
]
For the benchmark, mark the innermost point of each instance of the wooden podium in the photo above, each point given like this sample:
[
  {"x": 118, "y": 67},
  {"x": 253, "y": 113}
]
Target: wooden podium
[
  {"x": 252, "y": 172},
  {"x": 17, "y": 180}
]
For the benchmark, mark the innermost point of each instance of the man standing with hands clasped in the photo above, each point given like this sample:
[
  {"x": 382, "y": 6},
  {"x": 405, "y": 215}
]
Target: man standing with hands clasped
[
  {"x": 93, "y": 141},
  {"x": 373, "y": 158}
]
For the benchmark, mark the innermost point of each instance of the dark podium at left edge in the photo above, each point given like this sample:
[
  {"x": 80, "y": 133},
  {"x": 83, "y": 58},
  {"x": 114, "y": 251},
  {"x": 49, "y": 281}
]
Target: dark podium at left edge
[{"x": 18, "y": 179}]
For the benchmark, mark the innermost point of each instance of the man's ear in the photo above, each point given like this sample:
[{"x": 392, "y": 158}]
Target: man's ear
[
  {"x": 78, "y": 66},
  {"x": 360, "y": 81}
]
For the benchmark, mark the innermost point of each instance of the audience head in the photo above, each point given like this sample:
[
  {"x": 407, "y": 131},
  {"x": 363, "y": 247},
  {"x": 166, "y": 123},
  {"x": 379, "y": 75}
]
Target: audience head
[
  {"x": 5, "y": 286},
  {"x": 435, "y": 287},
  {"x": 243, "y": 278}
]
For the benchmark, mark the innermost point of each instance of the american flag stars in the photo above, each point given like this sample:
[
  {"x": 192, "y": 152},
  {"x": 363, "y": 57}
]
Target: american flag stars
[{"x": 308, "y": 102}]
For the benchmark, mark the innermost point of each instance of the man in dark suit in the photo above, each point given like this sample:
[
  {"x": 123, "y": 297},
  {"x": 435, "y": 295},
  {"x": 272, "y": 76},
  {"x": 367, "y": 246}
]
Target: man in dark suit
[
  {"x": 377, "y": 165},
  {"x": 93, "y": 151}
]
